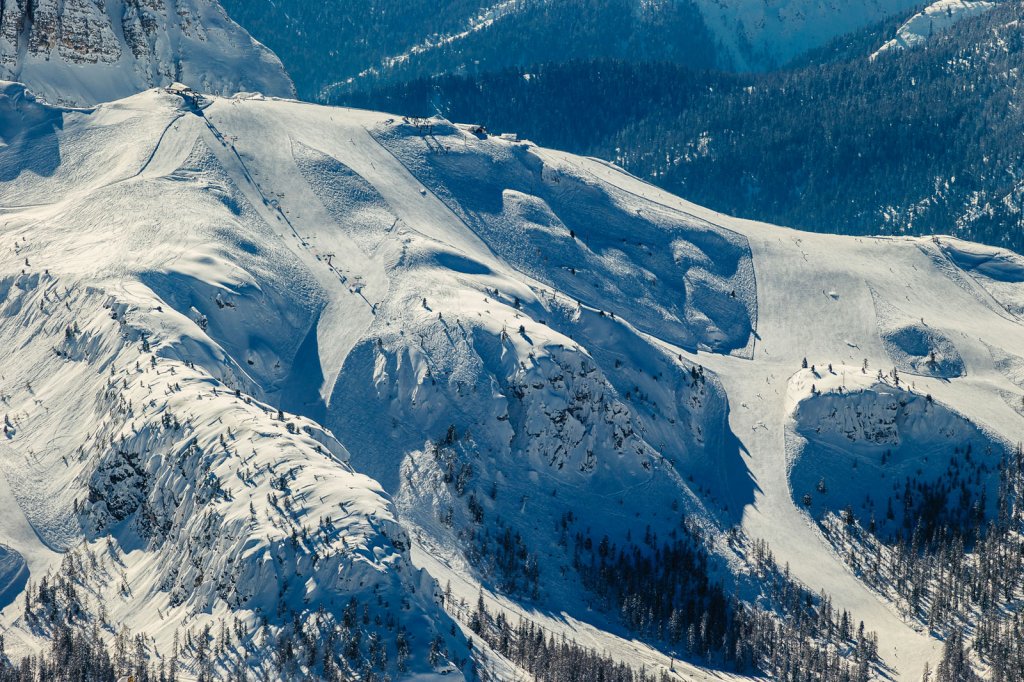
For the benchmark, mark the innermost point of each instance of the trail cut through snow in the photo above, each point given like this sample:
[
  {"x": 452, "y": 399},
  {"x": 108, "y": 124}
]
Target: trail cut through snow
[{"x": 270, "y": 356}]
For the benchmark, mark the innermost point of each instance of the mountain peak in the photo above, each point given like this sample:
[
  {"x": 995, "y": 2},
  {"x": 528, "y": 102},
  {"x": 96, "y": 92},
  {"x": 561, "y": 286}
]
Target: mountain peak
[{"x": 81, "y": 52}]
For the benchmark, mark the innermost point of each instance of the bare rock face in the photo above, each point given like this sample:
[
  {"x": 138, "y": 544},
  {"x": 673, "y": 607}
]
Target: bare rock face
[
  {"x": 82, "y": 52},
  {"x": 142, "y": 23},
  {"x": 12, "y": 20},
  {"x": 87, "y": 34},
  {"x": 77, "y": 31}
]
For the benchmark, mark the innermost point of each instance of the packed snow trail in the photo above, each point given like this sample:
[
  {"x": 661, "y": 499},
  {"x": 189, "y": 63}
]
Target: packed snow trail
[
  {"x": 284, "y": 253},
  {"x": 277, "y": 188},
  {"x": 297, "y": 211},
  {"x": 791, "y": 309},
  {"x": 812, "y": 304}
]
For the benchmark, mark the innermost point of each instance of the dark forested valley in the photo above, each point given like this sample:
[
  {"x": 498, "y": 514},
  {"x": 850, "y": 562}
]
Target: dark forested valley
[{"x": 929, "y": 140}]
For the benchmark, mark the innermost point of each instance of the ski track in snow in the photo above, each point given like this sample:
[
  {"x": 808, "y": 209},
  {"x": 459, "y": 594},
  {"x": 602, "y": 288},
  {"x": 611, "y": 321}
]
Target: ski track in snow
[
  {"x": 815, "y": 299},
  {"x": 798, "y": 317}
]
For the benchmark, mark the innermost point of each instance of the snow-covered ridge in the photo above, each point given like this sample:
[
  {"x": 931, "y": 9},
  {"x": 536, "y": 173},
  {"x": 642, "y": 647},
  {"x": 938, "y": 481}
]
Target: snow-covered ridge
[
  {"x": 761, "y": 34},
  {"x": 81, "y": 52},
  {"x": 752, "y": 35},
  {"x": 130, "y": 436},
  {"x": 191, "y": 276},
  {"x": 483, "y": 20},
  {"x": 934, "y": 19},
  {"x": 233, "y": 330}
]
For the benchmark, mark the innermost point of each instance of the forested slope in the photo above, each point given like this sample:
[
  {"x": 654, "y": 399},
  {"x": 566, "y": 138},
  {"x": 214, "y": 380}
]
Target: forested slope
[{"x": 914, "y": 141}]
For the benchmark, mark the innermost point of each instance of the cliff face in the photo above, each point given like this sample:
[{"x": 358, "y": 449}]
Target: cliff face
[{"x": 82, "y": 52}]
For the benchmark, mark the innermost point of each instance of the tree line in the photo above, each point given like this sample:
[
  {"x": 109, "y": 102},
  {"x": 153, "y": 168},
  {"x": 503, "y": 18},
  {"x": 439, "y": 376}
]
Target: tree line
[{"x": 914, "y": 142}]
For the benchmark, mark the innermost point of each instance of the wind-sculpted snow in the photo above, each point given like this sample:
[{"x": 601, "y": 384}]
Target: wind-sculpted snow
[
  {"x": 28, "y": 131},
  {"x": 998, "y": 271},
  {"x": 512, "y": 393},
  {"x": 857, "y": 448},
  {"x": 241, "y": 284},
  {"x": 212, "y": 500},
  {"x": 232, "y": 331},
  {"x": 917, "y": 349},
  {"x": 178, "y": 294},
  {"x": 672, "y": 275},
  {"x": 136, "y": 344},
  {"x": 13, "y": 575},
  {"x": 529, "y": 422},
  {"x": 935, "y": 19},
  {"x": 913, "y": 346}
]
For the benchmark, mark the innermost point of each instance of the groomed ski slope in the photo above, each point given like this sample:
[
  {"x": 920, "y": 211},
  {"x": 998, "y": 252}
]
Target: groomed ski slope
[
  {"x": 815, "y": 302},
  {"x": 222, "y": 231}
]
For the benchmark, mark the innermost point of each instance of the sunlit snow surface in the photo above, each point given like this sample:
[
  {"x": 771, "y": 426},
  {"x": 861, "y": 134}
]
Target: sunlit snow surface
[
  {"x": 81, "y": 52},
  {"x": 932, "y": 21},
  {"x": 385, "y": 283}
]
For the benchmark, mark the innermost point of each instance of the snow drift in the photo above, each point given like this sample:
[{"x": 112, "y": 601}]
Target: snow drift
[{"x": 261, "y": 355}]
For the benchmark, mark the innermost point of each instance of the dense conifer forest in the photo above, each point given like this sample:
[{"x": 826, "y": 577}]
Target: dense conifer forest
[
  {"x": 913, "y": 142},
  {"x": 368, "y": 39}
]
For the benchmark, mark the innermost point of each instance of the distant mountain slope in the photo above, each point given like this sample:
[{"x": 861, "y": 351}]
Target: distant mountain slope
[
  {"x": 325, "y": 42},
  {"x": 379, "y": 42},
  {"x": 764, "y": 34},
  {"x": 82, "y": 52},
  {"x": 844, "y": 144},
  {"x": 934, "y": 19}
]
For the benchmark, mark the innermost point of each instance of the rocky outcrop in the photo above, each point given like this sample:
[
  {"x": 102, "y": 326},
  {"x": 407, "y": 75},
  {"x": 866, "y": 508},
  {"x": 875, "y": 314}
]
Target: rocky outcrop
[
  {"x": 133, "y": 44},
  {"x": 12, "y": 21}
]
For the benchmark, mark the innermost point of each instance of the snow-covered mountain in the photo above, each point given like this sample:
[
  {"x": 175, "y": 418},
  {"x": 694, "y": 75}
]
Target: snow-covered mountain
[
  {"x": 932, "y": 20},
  {"x": 81, "y": 52},
  {"x": 759, "y": 34},
  {"x": 293, "y": 389},
  {"x": 365, "y": 43}
]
